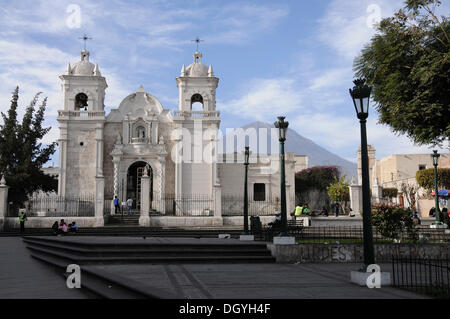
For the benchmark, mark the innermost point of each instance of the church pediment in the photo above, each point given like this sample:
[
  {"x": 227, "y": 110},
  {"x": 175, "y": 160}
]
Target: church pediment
[{"x": 137, "y": 105}]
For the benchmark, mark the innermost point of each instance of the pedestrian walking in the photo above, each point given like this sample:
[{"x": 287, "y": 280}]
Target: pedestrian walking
[
  {"x": 116, "y": 204},
  {"x": 129, "y": 205}
]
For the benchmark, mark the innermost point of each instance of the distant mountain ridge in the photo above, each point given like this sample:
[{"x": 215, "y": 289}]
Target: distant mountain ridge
[{"x": 297, "y": 144}]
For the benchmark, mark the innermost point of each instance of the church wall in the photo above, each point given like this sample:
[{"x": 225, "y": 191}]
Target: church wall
[
  {"x": 197, "y": 178},
  {"x": 81, "y": 161},
  {"x": 232, "y": 178},
  {"x": 165, "y": 131}
]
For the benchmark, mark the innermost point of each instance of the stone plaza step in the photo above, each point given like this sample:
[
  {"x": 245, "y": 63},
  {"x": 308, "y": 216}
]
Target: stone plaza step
[
  {"x": 147, "y": 251},
  {"x": 131, "y": 231},
  {"x": 91, "y": 252},
  {"x": 103, "y": 284}
]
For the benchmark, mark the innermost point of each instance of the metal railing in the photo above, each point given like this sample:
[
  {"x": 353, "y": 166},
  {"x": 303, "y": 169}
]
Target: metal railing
[
  {"x": 354, "y": 235},
  {"x": 184, "y": 205},
  {"x": 81, "y": 113},
  {"x": 429, "y": 276},
  {"x": 196, "y": 114},
  {"x": 61, "y": 206},
  {"x": 234, "y": 206}
]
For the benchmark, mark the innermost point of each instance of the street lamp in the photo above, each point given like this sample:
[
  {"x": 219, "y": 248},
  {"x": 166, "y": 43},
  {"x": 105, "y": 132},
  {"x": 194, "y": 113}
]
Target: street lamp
[
  {"x": 361, "y": 96},
  {"x": 435, "y": 157},
  {"x": 247, "y": 155},
  {"x": 282, "y": 126}
]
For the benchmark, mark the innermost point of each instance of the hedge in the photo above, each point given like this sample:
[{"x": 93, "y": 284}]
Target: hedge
[{"x": 425, "y": 178}]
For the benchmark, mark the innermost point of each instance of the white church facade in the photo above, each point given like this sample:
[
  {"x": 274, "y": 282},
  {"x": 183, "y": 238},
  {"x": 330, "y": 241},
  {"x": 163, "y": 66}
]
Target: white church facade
[{"x": 167, "y": 162}]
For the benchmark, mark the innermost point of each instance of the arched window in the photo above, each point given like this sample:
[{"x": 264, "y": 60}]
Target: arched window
[
  {"x": 197, "y": 102},
  {"x": 140, "y": 132},
  {"x": 81, "y": 101}
]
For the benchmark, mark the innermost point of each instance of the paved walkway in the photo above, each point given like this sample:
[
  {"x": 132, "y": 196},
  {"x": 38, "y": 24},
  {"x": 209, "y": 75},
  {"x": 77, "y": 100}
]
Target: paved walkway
[
  {"x": 24, "y": 277},
  {"x": 256, "y": 281}
]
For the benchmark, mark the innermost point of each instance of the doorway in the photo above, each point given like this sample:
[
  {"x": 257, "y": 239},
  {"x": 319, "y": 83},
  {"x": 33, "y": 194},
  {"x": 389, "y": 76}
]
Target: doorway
[{"x": 134, "y": 175}]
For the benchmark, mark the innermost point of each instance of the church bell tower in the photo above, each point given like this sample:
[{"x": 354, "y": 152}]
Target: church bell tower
[
  {"x": 81, "y": 122},
  {"x": 197, "y": 122}
]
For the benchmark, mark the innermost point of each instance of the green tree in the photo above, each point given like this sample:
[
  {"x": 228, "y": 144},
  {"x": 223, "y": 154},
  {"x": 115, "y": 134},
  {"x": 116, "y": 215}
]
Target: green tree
[
  {"x": 339, "y": 191},
  {"x": 389, "y": 192},
  {"x": 425, "y": 178},
  {"x": 22, "y": 154},
  {"x": 391, "y": 221},
  {"x": 311, "y": 185},
  {"x": 317, "y": 177},
  {"x": 408, "y": 64}
]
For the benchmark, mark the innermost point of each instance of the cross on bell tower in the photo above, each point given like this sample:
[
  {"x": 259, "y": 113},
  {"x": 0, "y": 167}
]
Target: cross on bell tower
[
  {"x": 197, "y": 40},
  {"x": 85, "y": 38}
]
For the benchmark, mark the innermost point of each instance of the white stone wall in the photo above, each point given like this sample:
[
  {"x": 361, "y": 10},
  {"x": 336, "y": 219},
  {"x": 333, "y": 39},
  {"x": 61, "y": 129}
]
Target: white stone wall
[
  {"x": 81, "y": 160},
  {"x": 231, "y": 176}
]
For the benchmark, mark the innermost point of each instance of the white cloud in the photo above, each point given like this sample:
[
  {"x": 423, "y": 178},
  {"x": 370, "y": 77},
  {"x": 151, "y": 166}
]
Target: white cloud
[
  {"x": 330, "y": 79},
  {"x": 265, "y": 97},
  {"x": 345, "y": 27}
]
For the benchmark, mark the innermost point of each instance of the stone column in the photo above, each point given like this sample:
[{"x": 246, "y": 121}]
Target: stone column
[
  {"x": 162, "y": 194},
  {"x": 62, "y": 144},
  {"x": 99, "y": 201},
  {"x": 217, "y": 202},
  {"x": 99, "y": 147},
  {"x": 144, "y": 219},
  {"x": 116, "y": 183},
  {"x": 178, "y": 147},
  {"x": 377, "y": 192},
  {"x": 288, "y": 201},
  {"x": 355, "y": 197},
  {"x": 3, "y": 203}
]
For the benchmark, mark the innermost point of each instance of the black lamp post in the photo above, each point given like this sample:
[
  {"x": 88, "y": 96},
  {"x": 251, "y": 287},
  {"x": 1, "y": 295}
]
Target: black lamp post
[
  {"x": 246, "y": 154},
  {"x": 361, "y": 96},
  {"x": 435, "y": 157},
  {"x": 282, "y": 126}
]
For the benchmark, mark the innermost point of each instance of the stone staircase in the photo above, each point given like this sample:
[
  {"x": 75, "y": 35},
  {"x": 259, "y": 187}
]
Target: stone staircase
[
  {"x": 125, "y": 220},
  {"x": 133, "y": 231},
  {"x": 89, "y": 253},
  {"x": 150, "y": 251}
]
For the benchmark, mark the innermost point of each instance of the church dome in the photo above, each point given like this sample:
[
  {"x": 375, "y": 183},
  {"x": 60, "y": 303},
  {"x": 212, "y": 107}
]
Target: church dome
[
  {"x": 197, "y": 68},
  {"x": 83, "y": 67}
]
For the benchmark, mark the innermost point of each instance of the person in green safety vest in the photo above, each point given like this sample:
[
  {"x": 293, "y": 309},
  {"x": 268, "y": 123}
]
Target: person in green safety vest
[
  {"x": 298, "y": 211},
  {"x": 22, "y": 219}
]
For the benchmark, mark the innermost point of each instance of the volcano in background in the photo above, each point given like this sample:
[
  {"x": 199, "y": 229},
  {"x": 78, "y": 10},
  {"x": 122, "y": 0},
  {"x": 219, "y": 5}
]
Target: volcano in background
[{"x": 297, "y": 144}]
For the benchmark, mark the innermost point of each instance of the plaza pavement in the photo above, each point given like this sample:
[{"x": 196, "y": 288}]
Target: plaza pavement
[
  {"x": 256, "y": 281},
  {"x": 23, "y": 277}
]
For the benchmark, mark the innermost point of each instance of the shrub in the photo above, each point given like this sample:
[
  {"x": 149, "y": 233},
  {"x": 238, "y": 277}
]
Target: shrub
[
  {"x": 392, "y": 220},
  {"x": 339, "y": 190},
  {"x": 317, "y": 177},
  {"x": 389, "y": 192},
  {"x": 425, "y": 178}
]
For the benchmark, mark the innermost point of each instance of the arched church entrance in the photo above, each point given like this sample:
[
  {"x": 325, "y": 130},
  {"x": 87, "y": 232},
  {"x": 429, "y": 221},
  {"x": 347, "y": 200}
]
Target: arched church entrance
[{"x": 134, "y": 175}]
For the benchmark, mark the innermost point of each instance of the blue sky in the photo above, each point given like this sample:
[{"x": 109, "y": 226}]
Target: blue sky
[{"x": 291, "y": 58}]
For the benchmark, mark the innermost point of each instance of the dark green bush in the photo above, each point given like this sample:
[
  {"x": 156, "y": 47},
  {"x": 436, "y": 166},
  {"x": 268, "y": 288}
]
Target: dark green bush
[{"x": 392, "y": 221}]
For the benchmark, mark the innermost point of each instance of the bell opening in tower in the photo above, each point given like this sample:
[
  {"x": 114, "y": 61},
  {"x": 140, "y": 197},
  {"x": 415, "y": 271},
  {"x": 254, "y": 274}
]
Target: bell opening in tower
[{"x": 81, "y": 102}]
